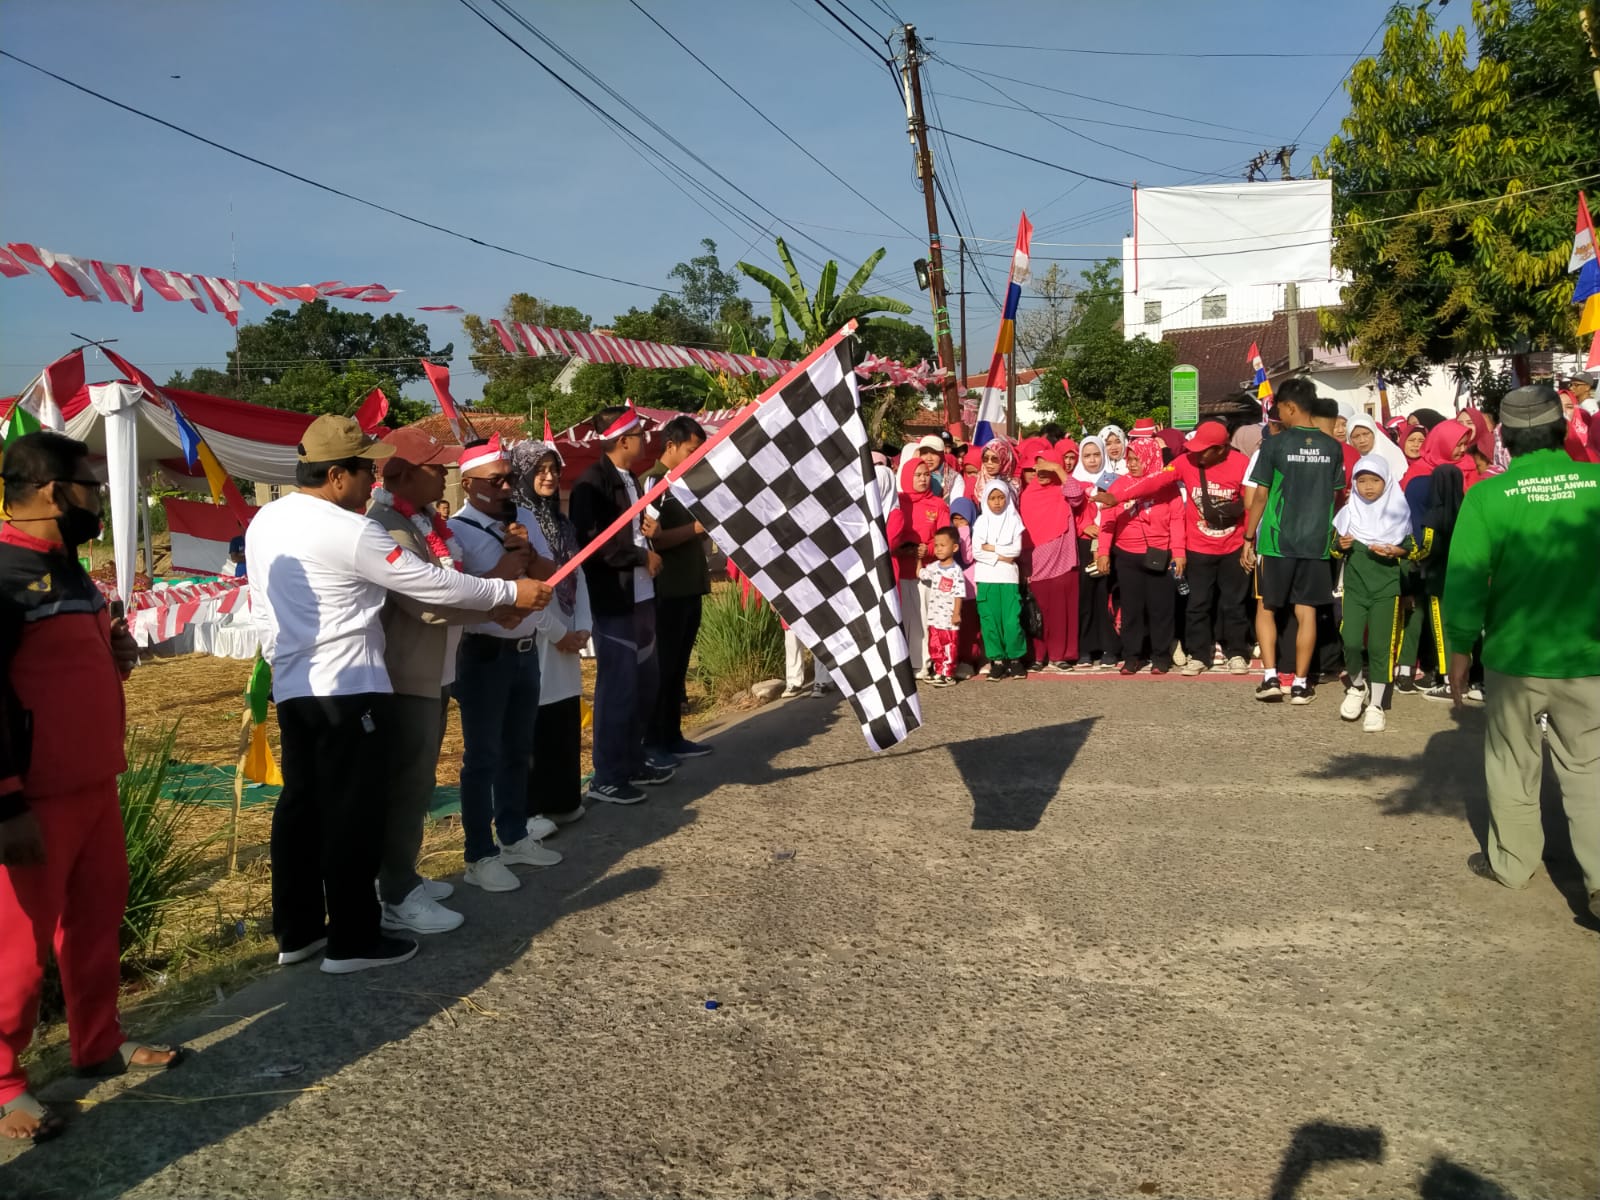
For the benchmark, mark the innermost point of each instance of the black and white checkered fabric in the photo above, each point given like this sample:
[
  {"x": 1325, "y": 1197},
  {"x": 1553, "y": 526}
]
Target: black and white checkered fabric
[{"x": 790, "y": 496}]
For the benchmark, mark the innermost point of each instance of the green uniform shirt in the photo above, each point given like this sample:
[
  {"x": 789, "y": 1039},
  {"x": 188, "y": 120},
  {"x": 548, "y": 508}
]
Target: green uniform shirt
[
  {"x": 1303, "y": 472},
  {"x": 1525, "y": 569}
]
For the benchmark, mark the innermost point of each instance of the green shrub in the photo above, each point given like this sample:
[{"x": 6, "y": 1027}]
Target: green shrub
[
  {"x": 740, "y": 643},
  {"x": 163, "y": 860}
]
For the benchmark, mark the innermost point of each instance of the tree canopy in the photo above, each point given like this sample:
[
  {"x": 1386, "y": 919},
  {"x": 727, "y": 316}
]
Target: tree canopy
[
  {"x": 1067, "y": 313},
  {"x": 1114, "y": 382},
  {"x": 1444, "y": 209}
]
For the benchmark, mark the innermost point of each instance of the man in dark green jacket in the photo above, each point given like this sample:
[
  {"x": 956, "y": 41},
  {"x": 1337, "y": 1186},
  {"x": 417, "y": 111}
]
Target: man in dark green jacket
[{"x": 1524, "y": 572}]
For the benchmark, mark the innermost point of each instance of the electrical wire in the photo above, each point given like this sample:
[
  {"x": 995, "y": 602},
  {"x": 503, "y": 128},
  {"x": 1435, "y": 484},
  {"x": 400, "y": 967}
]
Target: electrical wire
[
  {"x": 1121, "y": 183},
  {"x": 1149, "y": 53},
  {"x": 329, "y": 188},
  {"x": 1340, "y": 81},
  {"x": 748, "y": 103},
  {"x": 1181, "y": 133}
]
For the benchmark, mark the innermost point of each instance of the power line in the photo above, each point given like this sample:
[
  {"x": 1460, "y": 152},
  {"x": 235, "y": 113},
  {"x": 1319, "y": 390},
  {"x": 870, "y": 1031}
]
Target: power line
[
  {"x": 1340, "y": 82},
  {"x": 1149, "y": 53},
  {"x": 748, "y": 103},
  {"x": 1121, "y": 183},
  {"x": 329, "y": 188},
  {"x": 1149, "y": 112},
  {"x": 1183, "y": 133},
  {"x": 851, "y": 30}
]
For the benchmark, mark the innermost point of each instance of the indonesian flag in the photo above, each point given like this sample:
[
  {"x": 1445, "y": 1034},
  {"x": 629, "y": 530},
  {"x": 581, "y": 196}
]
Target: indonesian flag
[
  {"x": 1585, "y": 260},
  {"x": 992, "y": 407},
  {"x": 439, "y": 376},
  {"x": 1263, "y": 386},
  {"x": 201, "y": 533}
]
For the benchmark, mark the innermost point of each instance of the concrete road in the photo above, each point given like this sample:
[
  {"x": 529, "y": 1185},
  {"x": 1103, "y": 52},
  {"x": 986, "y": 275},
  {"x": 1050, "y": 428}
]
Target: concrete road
[{"x": 1081, "y": 937}]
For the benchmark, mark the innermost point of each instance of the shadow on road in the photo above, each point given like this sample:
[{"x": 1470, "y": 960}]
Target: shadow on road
[
  {"x": 293, "y": 1031},
  {"x": 1319, "y": 1142},
  {"x": 1447, "y": 780},
  {"x": 1014, "y": 776}
]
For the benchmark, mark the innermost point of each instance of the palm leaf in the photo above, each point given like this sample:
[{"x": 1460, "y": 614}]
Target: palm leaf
[
  {"x": 781, "y": 294},
  {"x": 824, "y": 302},
  {"x": 863, "y": 273},
  {"x": 808, "y": 326},
  {"x": 858, "y": 306}
]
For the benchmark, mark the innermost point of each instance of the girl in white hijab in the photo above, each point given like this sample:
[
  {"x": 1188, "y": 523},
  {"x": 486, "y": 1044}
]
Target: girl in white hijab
[
  {"x": 1374, "y": 537},
  {"x": 1083, "y": 473},
  {"x": 1382, "y": 445},
  {"x": 1116, "y": 456}
]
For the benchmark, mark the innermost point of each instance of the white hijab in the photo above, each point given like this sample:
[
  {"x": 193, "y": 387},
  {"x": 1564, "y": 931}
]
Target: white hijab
[
  {"x": 1382, "y": 522},
  {"x": 1081, "y": 473},
  {"x": 1382, "y": 444},
  {"x": 997, "y": 528},
  {"x": 1120, "y": 466}
]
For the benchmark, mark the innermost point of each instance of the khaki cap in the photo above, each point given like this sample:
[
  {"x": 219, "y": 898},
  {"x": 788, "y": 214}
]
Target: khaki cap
[{"x": 330, "y": 438}]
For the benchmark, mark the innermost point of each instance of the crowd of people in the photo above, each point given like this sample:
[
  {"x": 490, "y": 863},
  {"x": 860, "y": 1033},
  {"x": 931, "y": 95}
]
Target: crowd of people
[
  {"x": 1461, "y": 555},
  {"x": 1305, "y": 537}
]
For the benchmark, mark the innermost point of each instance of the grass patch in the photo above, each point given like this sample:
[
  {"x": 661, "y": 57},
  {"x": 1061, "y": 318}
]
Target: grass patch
[{"x": 740, "y": 644}]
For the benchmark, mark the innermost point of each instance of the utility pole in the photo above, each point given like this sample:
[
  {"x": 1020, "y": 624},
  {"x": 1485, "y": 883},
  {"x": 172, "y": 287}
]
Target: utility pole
[
  {"x": 962, "y": 272},
  {"x": 1011, "y": 391},
  {"x": 917, "y": 131}
]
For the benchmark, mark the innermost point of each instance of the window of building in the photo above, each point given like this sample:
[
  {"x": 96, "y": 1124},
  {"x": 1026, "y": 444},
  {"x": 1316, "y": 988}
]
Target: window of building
[
  {"x": 1213, "y": 308},
  {"x": 1152, "y": 312}
]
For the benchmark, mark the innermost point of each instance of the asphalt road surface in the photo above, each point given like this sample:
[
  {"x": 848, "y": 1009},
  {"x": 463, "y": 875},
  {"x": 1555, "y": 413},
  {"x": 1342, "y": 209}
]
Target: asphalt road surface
[{"x": 1075, "y": 938}]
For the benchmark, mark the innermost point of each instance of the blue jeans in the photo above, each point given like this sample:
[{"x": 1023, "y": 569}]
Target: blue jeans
[
  {"x": 497, "y": 690},
  {"x": 626, "y": 677}
]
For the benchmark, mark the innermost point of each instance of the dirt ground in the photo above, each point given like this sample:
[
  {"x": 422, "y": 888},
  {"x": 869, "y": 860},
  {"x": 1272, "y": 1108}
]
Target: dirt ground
[{"x": 1066, "y": 941}]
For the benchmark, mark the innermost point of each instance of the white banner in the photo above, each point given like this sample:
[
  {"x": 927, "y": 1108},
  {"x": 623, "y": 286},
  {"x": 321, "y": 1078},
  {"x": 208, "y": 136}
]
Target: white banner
[{"x": 1232, "y": 235}]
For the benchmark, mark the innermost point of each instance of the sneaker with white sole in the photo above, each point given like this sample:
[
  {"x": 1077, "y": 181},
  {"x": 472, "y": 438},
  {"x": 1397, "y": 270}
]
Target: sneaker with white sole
[
  {"x": 1270, "y": 690},
  {"x": 650, "y": 776},
  {"x": 567, "y": 818},
  {"x": 1302, "y": 693},
  {"x": 491, "y": 875},
  {"x": 287, "y": 958},
  {"x": 616, "y": 793},
  {"x": 1475, "y": 692},
  {"x": 1179, "y": 658},
  {"x": 529, "y": 852},
  {"x": 419, "y": 913},
  {"x": 437, "y": 889},
  {"x": 1355, "y": 699},
  {"x": 385, "y": 952},
  {"x": 541, "y": 827},
  {"x": 1238, "y": 665},
  {"x": 1439, "y": 691},
  {"x": 1375, "y": 721},
  {"x": 1192, "y": 668}
]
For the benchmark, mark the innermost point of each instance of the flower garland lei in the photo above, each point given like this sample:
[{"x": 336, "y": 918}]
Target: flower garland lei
[{"x": 431, "y": 528}]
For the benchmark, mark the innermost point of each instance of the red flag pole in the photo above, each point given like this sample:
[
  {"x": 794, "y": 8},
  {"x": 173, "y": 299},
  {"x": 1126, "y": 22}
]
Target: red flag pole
[{"x": 672, "y": 476}]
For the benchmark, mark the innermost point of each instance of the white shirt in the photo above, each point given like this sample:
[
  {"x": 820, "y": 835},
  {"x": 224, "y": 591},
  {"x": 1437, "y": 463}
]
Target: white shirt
[
  {"x": 481, "y": 538},
  {"x": 319, "y": 577},
  {"x": 644, "y": 587},
  {"x": 561, "y": 673}
]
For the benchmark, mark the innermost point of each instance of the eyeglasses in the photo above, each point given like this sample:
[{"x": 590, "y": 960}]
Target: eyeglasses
[{"x": 549, "y": 469}]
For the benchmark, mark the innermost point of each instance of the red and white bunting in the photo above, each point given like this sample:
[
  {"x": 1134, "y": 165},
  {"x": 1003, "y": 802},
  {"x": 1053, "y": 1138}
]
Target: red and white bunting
[
  {"x": 10, "y": 265},
  {"x": 506, "y": 339},
  {"x": 530, "y": 339},
  {"x": 121, "y": 283}
]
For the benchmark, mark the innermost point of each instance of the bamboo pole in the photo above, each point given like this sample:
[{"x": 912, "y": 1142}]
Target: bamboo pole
[{"x": 238, "y": 787}]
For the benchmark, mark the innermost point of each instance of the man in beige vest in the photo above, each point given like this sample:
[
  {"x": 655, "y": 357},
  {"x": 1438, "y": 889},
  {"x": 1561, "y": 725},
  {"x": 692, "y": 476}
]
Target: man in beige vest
[{"x": 419, "y": 653}]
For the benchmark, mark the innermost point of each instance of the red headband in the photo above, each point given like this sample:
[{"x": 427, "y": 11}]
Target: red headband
[{"x": 626, "y": 422}]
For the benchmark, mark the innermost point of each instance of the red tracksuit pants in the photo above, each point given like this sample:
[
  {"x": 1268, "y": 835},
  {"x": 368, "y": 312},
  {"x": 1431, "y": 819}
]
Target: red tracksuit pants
[
  {"x": 942, "y": 650},
  {"x": 72, "y": 903}
]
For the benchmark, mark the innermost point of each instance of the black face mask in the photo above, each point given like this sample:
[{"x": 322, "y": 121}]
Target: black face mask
[{"x": 78, "y": 525}]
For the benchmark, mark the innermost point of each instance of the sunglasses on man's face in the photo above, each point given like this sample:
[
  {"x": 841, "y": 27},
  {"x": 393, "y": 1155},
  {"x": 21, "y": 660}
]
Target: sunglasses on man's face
[{"x": 494, "y": 481}]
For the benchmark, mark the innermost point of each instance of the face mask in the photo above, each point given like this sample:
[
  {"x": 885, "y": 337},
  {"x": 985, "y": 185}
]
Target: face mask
[{"x": 77, "y": 526}]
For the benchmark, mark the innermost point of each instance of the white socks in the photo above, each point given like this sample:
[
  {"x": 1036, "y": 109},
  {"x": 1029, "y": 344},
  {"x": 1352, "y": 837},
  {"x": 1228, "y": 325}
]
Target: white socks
[
  {"x": 1299, "y": 681},
  {"x": 1380, "y": 693},
  {"x": 1405, "y": 671}
]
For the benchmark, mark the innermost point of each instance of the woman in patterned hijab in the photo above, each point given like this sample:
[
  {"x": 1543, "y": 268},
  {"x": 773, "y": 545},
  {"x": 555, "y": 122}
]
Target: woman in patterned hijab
[{"x": 526, "y": 460}]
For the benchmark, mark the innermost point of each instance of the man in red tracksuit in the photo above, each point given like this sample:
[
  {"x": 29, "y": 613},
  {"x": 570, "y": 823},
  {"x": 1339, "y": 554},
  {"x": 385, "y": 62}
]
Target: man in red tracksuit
[{"x": 63, "y": 857}]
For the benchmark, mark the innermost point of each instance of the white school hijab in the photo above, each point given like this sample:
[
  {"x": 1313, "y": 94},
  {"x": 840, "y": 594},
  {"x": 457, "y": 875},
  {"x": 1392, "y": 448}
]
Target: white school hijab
[
  {"x": 1081, "y": 473},
  {"x": 1382, "y": 444},
  {"x": 1120, "y": 466},
  {"x": 997, "y": 528},
  {"x": 1382, "y": 522}
]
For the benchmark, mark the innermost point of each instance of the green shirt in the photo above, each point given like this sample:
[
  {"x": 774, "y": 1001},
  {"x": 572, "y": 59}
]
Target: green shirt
[
  {"x": 1303, "y": 472},
  {"x": 1524, "y": 569},
  {"x": 684, "y": 571}
]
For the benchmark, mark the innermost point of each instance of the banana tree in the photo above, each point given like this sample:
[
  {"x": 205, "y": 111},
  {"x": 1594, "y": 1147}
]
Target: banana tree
[{"x": 817, "y": 316}]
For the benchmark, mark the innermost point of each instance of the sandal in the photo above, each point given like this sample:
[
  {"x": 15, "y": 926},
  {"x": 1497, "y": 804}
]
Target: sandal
[
  {"x": 49, "y": 1124},
  {"x": 122, "y": 1062}
]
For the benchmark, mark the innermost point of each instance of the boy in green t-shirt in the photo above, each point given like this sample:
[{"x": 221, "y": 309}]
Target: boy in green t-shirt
[{"x": 1288, "y": 534}]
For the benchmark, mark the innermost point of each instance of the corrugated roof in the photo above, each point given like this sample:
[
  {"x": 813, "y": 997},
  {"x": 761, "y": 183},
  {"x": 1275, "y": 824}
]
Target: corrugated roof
[{"x": 1221, "y": 353}]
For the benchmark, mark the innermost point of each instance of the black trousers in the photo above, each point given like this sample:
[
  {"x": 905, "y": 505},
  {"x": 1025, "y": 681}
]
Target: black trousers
[
  {"x": 328, "y": 828},
  {"x": 555, "y": 778},
  {"x": 1097, "y": 634},
  {"x": 677, "y": 626},
  {"x": 1218, "y": 611},
  {"x": 1147, "y": 603}
]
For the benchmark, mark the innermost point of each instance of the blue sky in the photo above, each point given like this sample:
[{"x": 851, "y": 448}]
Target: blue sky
[{"x": 422, "y": 107}]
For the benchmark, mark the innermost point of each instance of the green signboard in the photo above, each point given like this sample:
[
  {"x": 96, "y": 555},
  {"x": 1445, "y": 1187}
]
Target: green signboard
[{"x": 1185, "y": 397}]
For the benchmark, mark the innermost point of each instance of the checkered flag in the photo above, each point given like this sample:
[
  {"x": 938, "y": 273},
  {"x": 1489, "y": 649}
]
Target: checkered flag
[{"x": 790, "y": 496}]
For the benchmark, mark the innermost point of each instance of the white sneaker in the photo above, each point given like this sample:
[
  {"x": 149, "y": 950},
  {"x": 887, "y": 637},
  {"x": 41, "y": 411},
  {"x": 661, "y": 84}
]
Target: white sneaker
[
  {"x": 1375, "y": 721},
  {"x": 1355, "y": 699},
  {"x": 529, "y": 852},
  {"x": 1179, "y": 658},
  {"x": 567, "y": 818},
  {"x": 1238, "y": 666},
  {"x": 420, "y": 913},
  {"x": 1475, "y": 692},
  {"x": 541, "y": 827},
  {"x": 491, "y": 875},
  {"x": 437, "y": 889},
  {"x": 1193, "y": 667}
]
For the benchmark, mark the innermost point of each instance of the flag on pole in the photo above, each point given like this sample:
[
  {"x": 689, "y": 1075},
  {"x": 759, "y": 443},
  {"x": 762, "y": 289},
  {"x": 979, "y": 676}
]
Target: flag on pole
[
  {"x": 439, "y": 376},
  {"x": 992, "y": 407},
  {"x": 789, "y": 496},
  {"x": 1263, "y": 385},
  {"x": 549, "y": 440},
  {"x": 1585, "y": 260},
  {"x": 39, "y": 407},
  {"x": 374, "y": 408},
  {"x": 259, "y": 764},
  {"x": 197, "y": 453}
]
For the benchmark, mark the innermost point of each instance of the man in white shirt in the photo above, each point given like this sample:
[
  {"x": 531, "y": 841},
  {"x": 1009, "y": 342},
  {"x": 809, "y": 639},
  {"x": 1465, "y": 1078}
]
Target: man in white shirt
[
  {"x": 320, "y": 574},
  {"x": 497, "y": 678}
]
